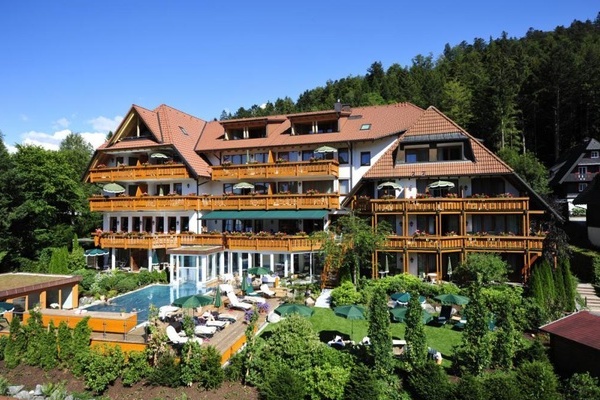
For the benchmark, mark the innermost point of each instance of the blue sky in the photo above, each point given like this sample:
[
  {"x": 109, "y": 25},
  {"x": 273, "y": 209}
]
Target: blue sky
[{"x": 79, "y": 65}]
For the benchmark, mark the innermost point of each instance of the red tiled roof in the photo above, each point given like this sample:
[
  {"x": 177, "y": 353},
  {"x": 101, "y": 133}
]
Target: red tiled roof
[
  {"x": 385, "y": 120},
  {"x": 433, "y": 122},
  {"x": 582, "y": 327},
  {"x": 167, "y": 125}
]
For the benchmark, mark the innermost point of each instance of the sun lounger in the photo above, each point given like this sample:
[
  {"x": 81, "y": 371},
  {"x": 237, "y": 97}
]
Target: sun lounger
[
  {"x": 166, "y": 312},
  {"x": 176, "y": 339},
  {"x": 203, "y": 330},
  {"x": 254, "y": 299},
  {"x": 226, "y": 317},
  {"x": 264, "y": 289},
  {"x": 234, "y": 302}
]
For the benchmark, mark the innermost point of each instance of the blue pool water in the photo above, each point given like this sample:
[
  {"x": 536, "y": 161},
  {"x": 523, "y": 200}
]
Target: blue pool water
[{"x": 140, "y": 300}]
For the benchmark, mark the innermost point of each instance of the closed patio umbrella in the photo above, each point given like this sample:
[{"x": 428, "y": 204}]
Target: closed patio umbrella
[{"x": 218, "y": 300}]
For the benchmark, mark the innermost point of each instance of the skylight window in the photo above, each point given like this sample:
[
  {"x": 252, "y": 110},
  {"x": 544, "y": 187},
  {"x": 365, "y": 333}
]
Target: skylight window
[
  {"x": 183, "y": 130},
  {"x": 365, "y": 127}
]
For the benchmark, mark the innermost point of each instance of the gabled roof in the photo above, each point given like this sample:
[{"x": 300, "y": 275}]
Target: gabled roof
[
  {"x": 385, "y": 120},
  {"x": 570, "y": 159},
  {"x": 168, "y": 128},
  {"x": 581, "y": 327},
  {"x": 433, "y": 123},
  {"x": 591, "y": 194}
]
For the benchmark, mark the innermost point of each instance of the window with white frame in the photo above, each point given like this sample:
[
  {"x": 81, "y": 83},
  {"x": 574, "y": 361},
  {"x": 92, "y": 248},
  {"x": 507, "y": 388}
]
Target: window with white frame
[
  {"x": 344, "y": 186},
  {"x": 595, "y": 154}
]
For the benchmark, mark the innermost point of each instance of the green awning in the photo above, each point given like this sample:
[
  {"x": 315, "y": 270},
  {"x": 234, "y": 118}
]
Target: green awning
[{"x": 275, "y": 214}]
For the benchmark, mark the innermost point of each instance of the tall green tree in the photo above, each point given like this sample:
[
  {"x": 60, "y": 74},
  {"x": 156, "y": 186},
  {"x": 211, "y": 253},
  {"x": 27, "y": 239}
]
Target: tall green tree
[
  {"x": 380, "y": 333},
  {"x": 415, "y": 333}
]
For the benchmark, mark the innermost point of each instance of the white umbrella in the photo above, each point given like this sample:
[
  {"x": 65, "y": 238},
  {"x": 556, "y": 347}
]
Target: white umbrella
[
  {"x": 158, "y": 155},
  {"x": 325, "y": 149},
  {"x": 113, "y": 188},
  {"x": 389, "y": 185},
  {"x": 441, "y": 185},
  {"x": 243, "y": 185}
]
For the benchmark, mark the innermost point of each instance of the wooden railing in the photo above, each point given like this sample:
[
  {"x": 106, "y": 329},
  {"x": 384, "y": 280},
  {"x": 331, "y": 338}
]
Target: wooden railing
[
  {"x": 229, "y": 241},
  {"x": 146, "y": 173},
  {"x": 491, "y": 243},
  {"x": 495, "y": 204},
  {"x": 243, "y": 202},
  {"x": 276, "y": 170},
  {"x": 144, "y": 203},
  {"x": 271, "y": 202}
]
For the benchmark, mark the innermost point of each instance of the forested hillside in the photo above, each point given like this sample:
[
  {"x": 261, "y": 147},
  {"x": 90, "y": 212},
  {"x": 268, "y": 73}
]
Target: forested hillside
[{"x": 540, "y": 92}]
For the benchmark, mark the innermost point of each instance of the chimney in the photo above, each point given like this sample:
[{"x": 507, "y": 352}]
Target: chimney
[{"x": 338, "y": 106}]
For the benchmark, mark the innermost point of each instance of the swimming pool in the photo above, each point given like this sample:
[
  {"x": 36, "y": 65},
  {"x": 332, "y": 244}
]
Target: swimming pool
[{"x": 140, "y": 300}]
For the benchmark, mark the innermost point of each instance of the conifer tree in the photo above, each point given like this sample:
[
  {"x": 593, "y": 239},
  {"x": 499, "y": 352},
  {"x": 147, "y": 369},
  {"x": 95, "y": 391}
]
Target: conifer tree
[{"x": 415, "y": 333}]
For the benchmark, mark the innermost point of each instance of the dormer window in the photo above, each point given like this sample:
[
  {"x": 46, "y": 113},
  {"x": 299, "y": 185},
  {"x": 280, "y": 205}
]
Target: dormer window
[
  {"x": 595, "y": 154},
  {"x": 417, "y": 154},
  {"x": 450, "y": 152},
  {"x": 311, "y": 127},
  {"x": 246, "y": 132}
]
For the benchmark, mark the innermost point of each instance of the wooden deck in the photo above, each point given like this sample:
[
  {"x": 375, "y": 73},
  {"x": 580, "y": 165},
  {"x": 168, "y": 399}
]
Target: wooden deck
[{"x": 227, "y": 341}]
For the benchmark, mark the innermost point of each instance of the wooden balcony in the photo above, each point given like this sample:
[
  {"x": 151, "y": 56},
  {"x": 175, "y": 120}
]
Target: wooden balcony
[
  {"x": 139, "y": 173},
  {"x": 320, "y": 201},
  {"x": 481, "y": 243},
  {"x": 272, "y": 243},
  {"x": 398, "y": 206},
  {"x": 324, "y": 168},
  {"x": 144, "y": 203},
  {"x": 231, "y": 241},
  {"x": 271, "y": 202}
]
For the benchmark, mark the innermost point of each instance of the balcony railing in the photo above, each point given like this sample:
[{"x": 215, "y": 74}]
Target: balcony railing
[
  {"x": 144, "y": 203},
  {"x": 491, "y": 243},
  {"x": 495, "y": 204},
  {"x": 277, "y": 170},
  {"x": 579, "y": 177},
  {"x": 271, "y": 202},
  {"x": 244, "y": 202},
  {"x": 145, "y": 173},
  {"x": 231, "y": 241}
]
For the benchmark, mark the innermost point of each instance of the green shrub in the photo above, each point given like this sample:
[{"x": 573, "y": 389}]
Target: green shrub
[
  {"x": 16, "y": 346},
  {"x": 4, "y": 384},
  {"x": 234, "y": 371},
  {"x": 49, "y": 354},
  {"x": 34, "y": 331},
  {"x": 429, "y": 382},
  {"x": 102, "y": 367},
  {"x": 362, "y": 384},
  {"x": 136, "y": 368},
  {"x": 284, "y": 383},
  {"x": 166, "y": 372},
  {"x": 536, "y": 381},
  {"x": 211, "y": 375},
  {"x": 3, "y": 343},
  {"x": 581, "y": 387},
  {"x": 346, "y": 293},
  {"x": 500, "y": 385}
]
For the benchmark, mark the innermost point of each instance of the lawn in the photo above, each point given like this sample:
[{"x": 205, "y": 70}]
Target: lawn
[{"x": 327, "y": 324}]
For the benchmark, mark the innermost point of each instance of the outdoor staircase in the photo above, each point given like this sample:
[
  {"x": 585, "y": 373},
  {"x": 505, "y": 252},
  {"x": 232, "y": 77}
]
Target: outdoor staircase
[{"x": 588, "y": 294}]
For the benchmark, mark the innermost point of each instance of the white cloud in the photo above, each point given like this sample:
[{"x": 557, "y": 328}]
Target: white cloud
[
  {"x": 61, "y": 123},
  {"x": 52, "y": 141},
  {"x": 104, "y": 124},
  {"x": 94, "y": 138}
]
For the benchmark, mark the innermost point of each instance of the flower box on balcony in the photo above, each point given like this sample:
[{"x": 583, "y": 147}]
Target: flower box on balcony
[
  {"x": 312, "y": 192},
  {"x": 100, "y": 166}
]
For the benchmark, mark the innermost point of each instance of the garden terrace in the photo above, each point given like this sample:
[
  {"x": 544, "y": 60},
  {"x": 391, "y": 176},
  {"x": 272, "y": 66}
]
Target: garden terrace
[
  {"x": 321, "y": 168},
  {"x": 140, "y": 172}
]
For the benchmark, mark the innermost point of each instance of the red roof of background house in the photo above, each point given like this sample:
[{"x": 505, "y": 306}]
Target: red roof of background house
[
  {"x": 433, "y": 122},
  {"x": 582, "y": 327},
  {"x": 385, "y": 120}
]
